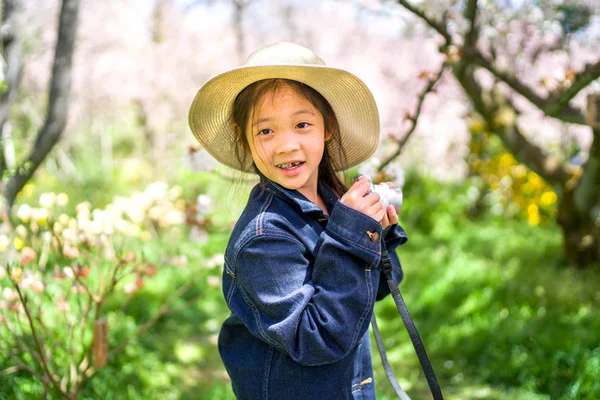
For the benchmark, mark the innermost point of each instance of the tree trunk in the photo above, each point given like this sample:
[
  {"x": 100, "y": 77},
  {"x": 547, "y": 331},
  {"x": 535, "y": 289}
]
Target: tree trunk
[
  {"x": 12, "y": 51},
  {"x": 58, "y": 101},
  {"x": 579, "y": 212}
]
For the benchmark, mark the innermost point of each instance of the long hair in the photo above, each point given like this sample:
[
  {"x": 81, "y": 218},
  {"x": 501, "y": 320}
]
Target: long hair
[{"x": 248, "y": 99}]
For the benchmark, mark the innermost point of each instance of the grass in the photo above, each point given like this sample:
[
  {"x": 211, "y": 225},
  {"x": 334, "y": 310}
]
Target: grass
[{"x": 500, "y": 312}]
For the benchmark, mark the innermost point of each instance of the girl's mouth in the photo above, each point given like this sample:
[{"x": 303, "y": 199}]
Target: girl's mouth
[{"x": 292, "y": 165}]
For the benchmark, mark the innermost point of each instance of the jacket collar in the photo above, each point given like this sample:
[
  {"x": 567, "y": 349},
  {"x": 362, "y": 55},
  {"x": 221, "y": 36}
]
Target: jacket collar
[{"x": 297, "y": 198}]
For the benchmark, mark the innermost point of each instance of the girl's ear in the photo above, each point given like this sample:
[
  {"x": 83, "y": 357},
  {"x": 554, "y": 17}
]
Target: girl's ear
[
  {"x": 239, "y": 134},
  {"x": 328, "y": 134}
]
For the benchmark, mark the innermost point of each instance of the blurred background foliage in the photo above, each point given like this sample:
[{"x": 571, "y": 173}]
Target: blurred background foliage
[{"x": 502, "y": 310}]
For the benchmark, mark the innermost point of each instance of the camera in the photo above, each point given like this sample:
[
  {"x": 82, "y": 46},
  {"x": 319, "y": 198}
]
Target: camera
[{"x": 387, "y": 195}]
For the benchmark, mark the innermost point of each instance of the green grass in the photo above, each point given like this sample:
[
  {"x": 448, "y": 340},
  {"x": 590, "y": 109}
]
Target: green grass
[{"x": 501, "y": 314}]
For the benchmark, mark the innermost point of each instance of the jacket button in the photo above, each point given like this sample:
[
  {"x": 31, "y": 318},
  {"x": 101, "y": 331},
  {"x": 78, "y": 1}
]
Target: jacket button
[{"x": 374, "y": 236}]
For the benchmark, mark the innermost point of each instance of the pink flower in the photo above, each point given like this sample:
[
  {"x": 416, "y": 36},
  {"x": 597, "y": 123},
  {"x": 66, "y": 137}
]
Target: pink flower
[
  {"x": 70, "y": 251},
  {"x": 27, "y": 255},
  {"x": 133, "y": 287}
]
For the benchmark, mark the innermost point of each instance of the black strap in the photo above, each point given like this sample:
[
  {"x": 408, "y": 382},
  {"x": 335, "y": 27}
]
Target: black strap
[
  {"x": 386, "y": 364},
  {"x": 412, "y": 331}
]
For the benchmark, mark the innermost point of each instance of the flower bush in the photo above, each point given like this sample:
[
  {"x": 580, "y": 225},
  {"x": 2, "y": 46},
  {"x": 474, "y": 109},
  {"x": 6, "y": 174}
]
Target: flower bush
[
  {"x": 61, "y": 274},
  {"x": 510, "y": 187}
]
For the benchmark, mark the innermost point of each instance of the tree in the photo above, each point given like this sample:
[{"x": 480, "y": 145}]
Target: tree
[
  {"x": 14, "y": 177},
  {"x": 491, "y": 71}
]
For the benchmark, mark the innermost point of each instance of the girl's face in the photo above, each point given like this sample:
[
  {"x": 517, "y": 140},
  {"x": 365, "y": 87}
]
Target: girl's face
[{"x": 287, "y": 136}]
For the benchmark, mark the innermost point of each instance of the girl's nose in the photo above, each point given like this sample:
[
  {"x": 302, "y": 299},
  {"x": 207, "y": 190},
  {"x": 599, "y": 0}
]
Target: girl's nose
[{"x": 287, "y": 144}]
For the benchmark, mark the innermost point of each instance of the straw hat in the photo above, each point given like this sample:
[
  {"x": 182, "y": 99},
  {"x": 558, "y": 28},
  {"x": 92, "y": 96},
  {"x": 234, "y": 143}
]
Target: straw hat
[{"x": 350, "y": 99}]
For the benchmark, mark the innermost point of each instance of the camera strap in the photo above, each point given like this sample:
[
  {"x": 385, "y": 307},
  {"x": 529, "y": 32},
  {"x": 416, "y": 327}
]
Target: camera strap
[{"x": 434, "y": 387}]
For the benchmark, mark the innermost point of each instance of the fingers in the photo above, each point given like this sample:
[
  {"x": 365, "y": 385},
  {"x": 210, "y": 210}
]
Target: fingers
[
  {"x": 392, "y": 214},
  {"x": 385, "y": 221}
]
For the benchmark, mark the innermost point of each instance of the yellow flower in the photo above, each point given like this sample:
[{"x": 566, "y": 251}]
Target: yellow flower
[
  {"x": 40, "y": 215},
  {"x": 146, "y": 236},
  {"x": 548, "y": 198},
  {"x": 18, "y": 243},
  {"x": 533, "y": 219},
  {"x": 28, "y": 189},
  {"x": 16, "y": 274}
]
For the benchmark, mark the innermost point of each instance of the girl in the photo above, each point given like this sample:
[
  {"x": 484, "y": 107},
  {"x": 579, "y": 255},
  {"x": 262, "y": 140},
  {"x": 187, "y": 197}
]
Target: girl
[{"x": 302, "y": 269}]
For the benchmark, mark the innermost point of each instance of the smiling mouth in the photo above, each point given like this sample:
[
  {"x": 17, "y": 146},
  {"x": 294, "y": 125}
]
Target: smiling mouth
[{"x": 290, "y": 165}]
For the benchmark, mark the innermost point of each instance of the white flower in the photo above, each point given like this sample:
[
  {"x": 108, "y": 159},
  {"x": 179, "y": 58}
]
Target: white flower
[
  {"x": 62, "y": 199},
  {"x": 157, "y": 190},
  {"x": 215, "y": 261},
  {"x": 213, "y": 280},
  {"x": 198, "y": 235},
  {"x": 33, "y": 282},
  {"x": 200, "y": 160},
  {"x": 10, "y": 294},
  {"x": 2, "y": 273},
  {"x": 4, "y": 243},
  {"x": 24, "y": 213},
  {"x": 21, "y": 231},
  {"x": 175, "y": 192},
  {"x": 47, "y": 200},
  {"x": 396, "y": 174},
  {"x": 68, "y": 271},
  {"x": 203, "y": 201},
  {"x": 64, "y": 219},
  {"x": 370, "y": 167},
  {"x": 172, "y": 217}
]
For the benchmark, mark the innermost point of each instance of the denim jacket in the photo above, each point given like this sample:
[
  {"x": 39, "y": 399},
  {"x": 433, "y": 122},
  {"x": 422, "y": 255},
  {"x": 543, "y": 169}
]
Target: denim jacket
[{"x": 301, "y": 287}]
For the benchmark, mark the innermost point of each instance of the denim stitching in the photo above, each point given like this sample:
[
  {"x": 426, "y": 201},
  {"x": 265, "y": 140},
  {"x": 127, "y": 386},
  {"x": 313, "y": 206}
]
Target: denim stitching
[
  {"x": 338, "y": 236},
  {"x": 230, "y": 292},
  {"x": 367, "y": 308},
  {"x": 261, "y": 214},
  {"x": 258, "y": 324},
  {"x": 267, "y": 374}
]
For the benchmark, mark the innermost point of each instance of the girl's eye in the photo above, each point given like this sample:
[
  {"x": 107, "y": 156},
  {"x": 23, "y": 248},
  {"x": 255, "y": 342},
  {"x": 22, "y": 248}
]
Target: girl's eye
[
  {"x": 265, "y": 131},
  {"x": 302, "y": 125}
]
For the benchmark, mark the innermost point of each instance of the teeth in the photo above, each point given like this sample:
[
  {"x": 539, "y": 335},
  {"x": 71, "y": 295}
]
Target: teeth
[{"x": 289, "y": 165}]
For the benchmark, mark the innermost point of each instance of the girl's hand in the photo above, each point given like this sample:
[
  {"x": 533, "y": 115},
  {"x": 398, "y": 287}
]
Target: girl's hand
[
  {"x": 391, "y": 216},
  {"x": 357, "y": 198}
]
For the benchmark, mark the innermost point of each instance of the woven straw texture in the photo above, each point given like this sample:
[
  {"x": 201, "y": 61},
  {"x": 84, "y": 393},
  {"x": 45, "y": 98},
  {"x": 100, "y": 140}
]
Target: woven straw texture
[{"x": 350, "y": 99}]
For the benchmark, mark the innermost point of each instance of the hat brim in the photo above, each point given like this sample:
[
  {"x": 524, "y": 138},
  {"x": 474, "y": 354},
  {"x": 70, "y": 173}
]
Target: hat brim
[{"x": 349, "y": 97}]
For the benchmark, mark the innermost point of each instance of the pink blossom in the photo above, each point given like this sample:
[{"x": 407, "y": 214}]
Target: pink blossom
[
  {"x": 71, "y": 251},
  {"x": 27, "y": 255}
]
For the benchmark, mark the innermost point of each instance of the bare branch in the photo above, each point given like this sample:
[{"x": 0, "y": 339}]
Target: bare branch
[
  {"x": 163, "y": 310},
  {"x": 564, "y": 112},
  {"x": 560, "y": 101},
  {"x": 471, "y": 16},
  {"x": 553, "y": 171},
  {"x": 38, "y": 344},
  {"x": 414, "y": 119},
  {"x": 439, "y": 26}
]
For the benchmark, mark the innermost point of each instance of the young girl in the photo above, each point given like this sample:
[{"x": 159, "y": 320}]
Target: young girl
[{"x": 302, "y": 268}]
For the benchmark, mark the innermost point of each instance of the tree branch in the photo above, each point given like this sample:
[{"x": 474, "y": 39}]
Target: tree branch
[
  {"x": 12, "y": 51},
  {"x": 38, "y": 344},
  {"x": 471, "y": 16},
  {"x": 439, "y": 26},
  {"x": 553, "y": 171},
  {"x": 414, "y": 119},
  {"x": 548, "y": 106},
  {"x": 560, "y": 101},
  {"x": 59, "y": 94}
]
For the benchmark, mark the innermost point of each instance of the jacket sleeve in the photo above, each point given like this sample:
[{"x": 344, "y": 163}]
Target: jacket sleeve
[
  {"x": 315, "y": 315},
  {"x": 393, "y": 236}
]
